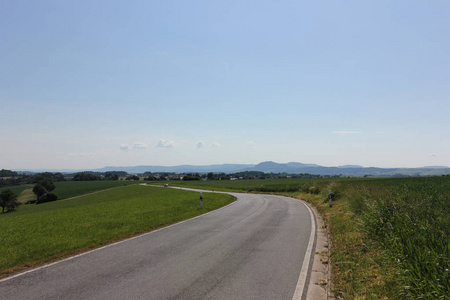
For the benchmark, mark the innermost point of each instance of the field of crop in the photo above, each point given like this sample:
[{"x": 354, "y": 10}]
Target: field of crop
[
  {"x": 390, "y": 237},
  {"x": 39, "y": 233},
  {"x": 260, "y": 185}
]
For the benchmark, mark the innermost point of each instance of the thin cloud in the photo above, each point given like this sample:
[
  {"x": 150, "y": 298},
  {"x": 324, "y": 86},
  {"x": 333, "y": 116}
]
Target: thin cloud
[
  {"x": 86, "y": 154},
  {"x": 124, "y": 147},
  {"x": 200, "y": 145},
  {"x": 250, "y": 144},
  {"x": 346, "y": 132},
  {"x": 136, "y": 145},
  {"x": 164, "y": 143},
  {"x": 215, "y": 145},
  {"x": 139, "y": 145},
  {"x": 433, "y": 155}
]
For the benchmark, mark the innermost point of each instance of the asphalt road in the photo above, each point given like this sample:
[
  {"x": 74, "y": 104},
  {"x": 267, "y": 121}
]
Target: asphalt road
[{"x": 251, "y": 249}]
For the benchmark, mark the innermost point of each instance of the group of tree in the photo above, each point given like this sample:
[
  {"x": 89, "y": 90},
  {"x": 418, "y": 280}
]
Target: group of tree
[
  {"x": 43, "y": 191},
  {"x": 94, "y": 176},
  {"x": 192, "y": 177},
  {"x": 86, "y": 176},
  {"x": 8, "y": 201},
  {"x": 161, "y": 176},
  {"x": 11, "y": 178},
  {"x": 132, "y": 177},
  {"x": 8, "y": 173}
]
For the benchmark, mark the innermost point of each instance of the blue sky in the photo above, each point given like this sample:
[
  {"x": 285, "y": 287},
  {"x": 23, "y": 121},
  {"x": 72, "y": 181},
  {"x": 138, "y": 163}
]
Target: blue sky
[{"x": 86, "y": 84}]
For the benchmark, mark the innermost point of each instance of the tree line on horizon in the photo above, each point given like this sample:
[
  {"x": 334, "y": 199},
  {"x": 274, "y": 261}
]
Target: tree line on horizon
[{"x": 13, "y": 178}]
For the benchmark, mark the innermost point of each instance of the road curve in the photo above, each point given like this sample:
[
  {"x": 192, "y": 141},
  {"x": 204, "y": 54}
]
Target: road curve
[{"x": 251, "y": 249}]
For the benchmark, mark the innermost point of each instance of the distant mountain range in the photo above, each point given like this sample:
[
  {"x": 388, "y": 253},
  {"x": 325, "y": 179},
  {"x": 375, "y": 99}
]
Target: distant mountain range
[
  {"x": 291, "y": 167},
  {"x": 273, "y": 167}
]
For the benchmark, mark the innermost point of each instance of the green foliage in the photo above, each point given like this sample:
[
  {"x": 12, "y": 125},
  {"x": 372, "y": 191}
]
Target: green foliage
[
  {"x": 47, "y": 184},
  {"x": 38, "y": 232},
  {"x": 7, "y": 173},
  {"x": 412, "y": 222},
  {"x": 112, "y": 176},
  {"x": 86, "y": 176},
  {"x": 48, "y": 198},
  {"x": 39, "y": 191},
  {"x": 8, "y": 201},
  {"x": 46, "y": 176},
  {"x": 43, "y": 189},
  {"x": 191, "y": 177}
]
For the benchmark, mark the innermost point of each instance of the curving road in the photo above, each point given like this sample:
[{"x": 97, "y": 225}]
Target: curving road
[{"x": 252, "y": 249}]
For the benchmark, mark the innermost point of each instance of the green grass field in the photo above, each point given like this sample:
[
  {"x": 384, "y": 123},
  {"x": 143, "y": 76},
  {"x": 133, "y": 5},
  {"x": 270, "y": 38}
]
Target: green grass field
[
  {"x": 39, "y": 233},
  {"x": 67, "y": 189},
  {"x": 17, "y": 189}
]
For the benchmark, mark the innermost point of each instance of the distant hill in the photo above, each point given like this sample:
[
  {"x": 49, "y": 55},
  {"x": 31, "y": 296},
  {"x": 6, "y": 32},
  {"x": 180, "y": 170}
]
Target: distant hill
[
  {"x": 350, "y": 167},
  {"x": 273, "y": 167},
  {"x": 224, "y": 168},
  {"x": 347, "y": 170},
  {"x": 291, "y": 168},
  {"x": 436, "y": 167}
]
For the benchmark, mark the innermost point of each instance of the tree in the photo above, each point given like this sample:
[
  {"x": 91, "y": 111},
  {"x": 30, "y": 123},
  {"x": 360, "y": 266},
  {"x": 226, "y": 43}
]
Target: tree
[
  {"x": 47, "y": 184},
  {"x": 133, "y": 177},
  {"x": 8, "y": 200},
  {"x": 39, "y": 191},
  {"x": 47, "y": 198},
  {"x": 42, "y": 191}
]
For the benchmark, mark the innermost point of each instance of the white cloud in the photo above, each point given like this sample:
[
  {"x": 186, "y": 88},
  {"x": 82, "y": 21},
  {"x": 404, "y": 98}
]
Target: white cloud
[
  {"x": 346, "y": 132},
  {"x": 136, "y": 145},
  {"x": 164, "y": 143},
  {"x": 250, "y": 144},
  {"x": 139, "y": 145},
  {"x": 215, "y": 145}
]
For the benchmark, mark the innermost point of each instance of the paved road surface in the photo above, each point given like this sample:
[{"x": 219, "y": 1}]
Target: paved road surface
[{"x": 251, "y": 249}]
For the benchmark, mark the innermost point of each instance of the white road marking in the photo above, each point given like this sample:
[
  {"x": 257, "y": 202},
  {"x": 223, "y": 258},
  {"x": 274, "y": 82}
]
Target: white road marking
[
  {"x": 109, "y": 245},
  {"x": 301, "y": 283}
]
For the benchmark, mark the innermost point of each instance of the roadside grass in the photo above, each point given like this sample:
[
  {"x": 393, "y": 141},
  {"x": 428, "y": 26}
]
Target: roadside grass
[
  {"x": 41, "y": 233},
  {"x": 390, "y": 237}
]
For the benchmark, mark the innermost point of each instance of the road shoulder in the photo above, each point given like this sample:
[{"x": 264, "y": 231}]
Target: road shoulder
[{"x": 319, "y": 283}]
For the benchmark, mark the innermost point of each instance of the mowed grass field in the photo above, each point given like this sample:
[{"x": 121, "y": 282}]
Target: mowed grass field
[
  {"x": 37, "y": 234},
  {"x": 67, "y": 189}
]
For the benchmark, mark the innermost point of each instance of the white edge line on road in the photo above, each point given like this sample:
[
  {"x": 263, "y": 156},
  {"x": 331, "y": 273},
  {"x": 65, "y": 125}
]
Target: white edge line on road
[
  {"x": 306, "y": 260},
  {"x": 109, "y": 245}
]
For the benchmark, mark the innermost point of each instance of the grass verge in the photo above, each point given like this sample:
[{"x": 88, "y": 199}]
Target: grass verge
[{"x": 40, "y": 233}]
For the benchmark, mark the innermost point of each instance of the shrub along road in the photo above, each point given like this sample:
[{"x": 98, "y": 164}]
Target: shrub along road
[{"x": 251, "y": 249}]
